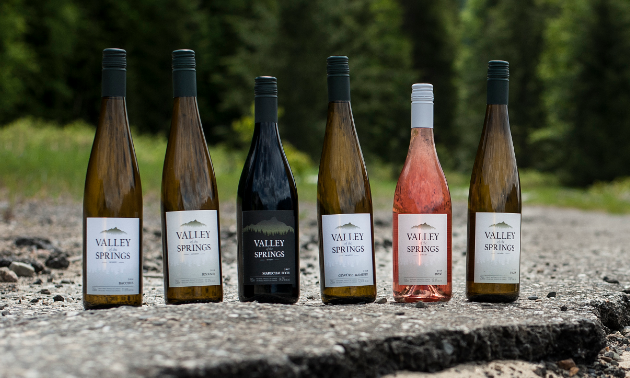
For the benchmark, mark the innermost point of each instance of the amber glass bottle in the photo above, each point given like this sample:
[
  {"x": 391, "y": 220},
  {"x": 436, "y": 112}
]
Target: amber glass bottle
[
  {"x": 190, "y": 202},
  {"x": 494, "y": 202},
  {"x": 422, "y": 213},
  {"x": 112, "y": 200},
  {"x": 344, "y": 201}
]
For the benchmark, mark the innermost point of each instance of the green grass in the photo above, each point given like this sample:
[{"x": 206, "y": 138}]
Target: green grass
[{"x": 43, "y": 160}]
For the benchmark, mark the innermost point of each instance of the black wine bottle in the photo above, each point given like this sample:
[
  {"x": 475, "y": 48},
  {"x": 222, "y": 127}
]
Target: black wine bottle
[
  {"x": 344, "y": 201},
  {"x": 267, "y": 210},
  {"x": 494, "y": 202},
  {"x": 112, "y": 200},
  {"x": 190, "y": 202}
]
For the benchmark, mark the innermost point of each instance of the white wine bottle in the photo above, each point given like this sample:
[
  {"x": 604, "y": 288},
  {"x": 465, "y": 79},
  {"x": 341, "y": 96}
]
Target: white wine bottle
[
  {"x": 494, "y": 202},
  {"x": 112, "y": 200},
  {"x": 190, "y": 202},
  {"x": 344, "y": 201}
]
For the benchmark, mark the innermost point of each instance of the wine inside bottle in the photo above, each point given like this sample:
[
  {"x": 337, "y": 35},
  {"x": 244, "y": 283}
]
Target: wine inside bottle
[
  {"x": 422, "y": 213},
  {"x": 494, "y": 202},
  {"x": 190, "y": 202},
  {"x": 112, "y": 200},
  {"x": 267, "y": 210},
  {"x": 344, "y": 201}
]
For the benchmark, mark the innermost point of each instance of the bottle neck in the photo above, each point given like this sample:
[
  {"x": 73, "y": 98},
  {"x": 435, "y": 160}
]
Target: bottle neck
[
  {"x": 498, "y": 91},
  {"x": 338, "y": 88},
  {"x": 184, "y": 83},
  {"x": 265, "y": 110},
  {"x": 114, "y": 83},
  {"x": 421, "y": 115}
]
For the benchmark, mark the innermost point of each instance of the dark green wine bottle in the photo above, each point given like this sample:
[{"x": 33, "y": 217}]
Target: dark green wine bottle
[
  {"x": 112, "y": 200},
  {"x": 267, "y": 210},
  {"x": 190, "y": 202},
  {"x": 494, "y": 202},
  {"x": 344, "y": 201}
]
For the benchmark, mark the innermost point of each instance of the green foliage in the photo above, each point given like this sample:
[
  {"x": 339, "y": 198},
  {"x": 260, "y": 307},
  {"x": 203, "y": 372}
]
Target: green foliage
[
  {"x": 291, "y": 40},
  {"x": 301, "y": 164},
  {"x": 586, "y": 69},
  {"x": 431, "y": 26},
  {"x": 509, "y": 30},
  {"x": 43, "y": 159}
]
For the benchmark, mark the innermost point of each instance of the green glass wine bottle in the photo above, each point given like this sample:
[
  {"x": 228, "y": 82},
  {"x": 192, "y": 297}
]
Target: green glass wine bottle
[
  {"x": 344, "y": 201},
  {"x": 112, "y": 200},
  {"x": 494, "y": 202},
  {"x": 190, "y": 202}
]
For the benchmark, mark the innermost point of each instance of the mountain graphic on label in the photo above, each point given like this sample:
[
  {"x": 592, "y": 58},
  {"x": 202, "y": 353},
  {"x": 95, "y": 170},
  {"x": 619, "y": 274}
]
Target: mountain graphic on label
[
  {"x": 424, "y": 226},
  {"x": 501, "y": 225},
  {"x": 114, "y": 230},
  {"x": 193, "y": 223},
  {"x": 269, "y": 227},
  {"x": 348, "y": 226}
]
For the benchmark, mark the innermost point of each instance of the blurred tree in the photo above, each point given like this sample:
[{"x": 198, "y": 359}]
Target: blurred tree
[
  {"x": 50, "y": 52},
  {"x": 17, "y": 59},
  {"x": 509, "y": 30},
  {"x": 586, "y": 71},
  {"x": 431, "y": 26},
  {"x": 291, "y": 40}
]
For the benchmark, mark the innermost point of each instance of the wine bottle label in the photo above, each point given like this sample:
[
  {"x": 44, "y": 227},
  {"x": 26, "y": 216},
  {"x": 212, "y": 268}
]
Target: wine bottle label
[
  {"x": 347, "y": 240},
  {"x": 113, "y": 256},
  {"x": 193, "y": 248},
  {"x": 422, "y": 249},
  {"x": 269, "y": 247},
  {"x": 497, "y": 248}
]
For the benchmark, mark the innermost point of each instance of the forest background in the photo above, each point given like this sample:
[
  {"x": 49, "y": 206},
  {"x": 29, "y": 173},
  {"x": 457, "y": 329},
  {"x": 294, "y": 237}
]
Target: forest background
[{"x": 569, "y": 85}]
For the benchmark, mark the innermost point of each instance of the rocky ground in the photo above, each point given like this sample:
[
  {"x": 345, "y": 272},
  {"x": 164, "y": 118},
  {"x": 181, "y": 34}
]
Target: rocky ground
[{"x": 573, "y": 305}]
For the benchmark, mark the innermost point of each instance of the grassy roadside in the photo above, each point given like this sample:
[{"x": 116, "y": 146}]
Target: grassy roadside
[{"x": 46, "y": 161}]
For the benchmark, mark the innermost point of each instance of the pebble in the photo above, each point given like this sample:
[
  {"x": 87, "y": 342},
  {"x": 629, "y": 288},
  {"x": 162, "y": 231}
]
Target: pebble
[
  {"x": 22, "y": 270},
  {"x": 37, "y": 281},
  {"x": 564, "y": 308},
  {"x": 567, "y": 364},
  {"x": 7, "y": 275},
  {"x": 610, "y": 280},
  {"x": 34, "y": 300},
  {"x": 58, "y": 298},
  {"x": 420, "y": 305},
  {"x": 45, "y": 291},
  {"x": 552, "y": 294},
  {"x": 57, "y": 260},
  {"x": 532, "y": 298},
  {"x": 382, "y": 300}
]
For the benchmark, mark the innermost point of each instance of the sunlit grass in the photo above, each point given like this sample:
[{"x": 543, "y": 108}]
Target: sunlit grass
[{"x": 43, "y": 160}]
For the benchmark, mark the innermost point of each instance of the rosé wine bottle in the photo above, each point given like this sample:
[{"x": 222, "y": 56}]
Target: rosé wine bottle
[{"x": 422, "y": 213}]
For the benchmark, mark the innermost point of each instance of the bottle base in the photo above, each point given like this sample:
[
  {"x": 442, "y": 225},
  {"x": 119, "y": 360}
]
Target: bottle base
[
  {"x": 268, "y": 298},
  {"x": 330, "y": 300},
  {"x": 95, "y": 302},
  {"x": 493, "y": 298},
  {"x": 413, "y": 299}
]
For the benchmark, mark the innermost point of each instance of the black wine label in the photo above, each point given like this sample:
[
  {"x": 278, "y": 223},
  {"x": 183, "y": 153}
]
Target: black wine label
[{"x": 269, "y": 247}]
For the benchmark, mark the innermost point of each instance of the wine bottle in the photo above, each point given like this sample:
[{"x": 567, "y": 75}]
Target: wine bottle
[
  {"x": 344, "y": 201},
  {"x": 422, "y": 210},
  {"x": 494, "y": 202},
  {"x": 112, "y": 200},
  {"x": 190, "y": 202},
  {"x": 267, "y": 210}
]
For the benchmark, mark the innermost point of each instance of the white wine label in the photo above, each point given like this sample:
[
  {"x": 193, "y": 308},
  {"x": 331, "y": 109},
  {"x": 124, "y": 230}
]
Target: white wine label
[
  {"x": 497, "y": 248},
  {"x": 348, "y": 255},
  {"x": 422, "y": 249},
  {"x": 192, "y": 238},
  {"x": 113, "y": 256}
]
